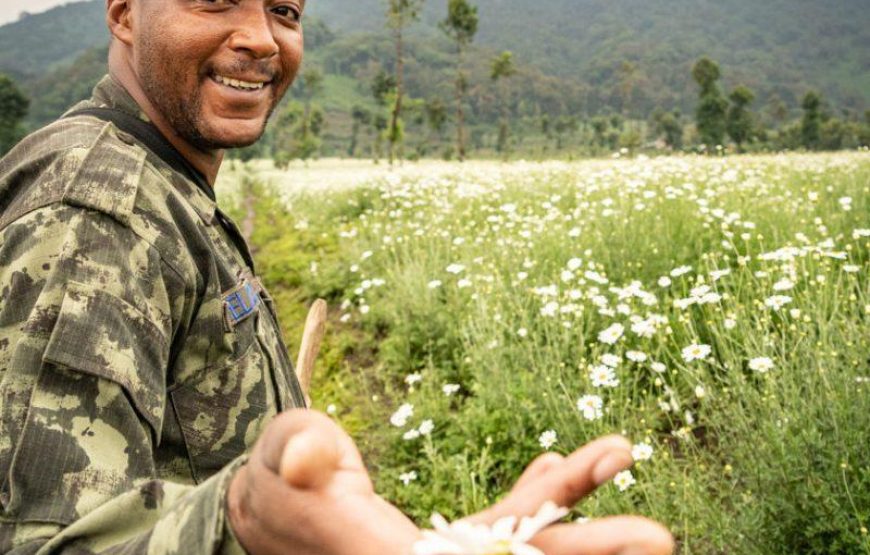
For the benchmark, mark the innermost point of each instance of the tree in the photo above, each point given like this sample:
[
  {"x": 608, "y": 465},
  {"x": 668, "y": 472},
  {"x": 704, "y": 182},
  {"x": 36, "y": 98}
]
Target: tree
[
  {"x": 599, "y": 128},
  {"x": 627, "y": 72},
  {"x": 13, "y": 108},
  {"x": 461, "y": 27},
  {"x": 777, "y": 110},
  {"x": 400, "y": 13},
  {"x": 712, "y": 107},
  {"x": 361, "y": 117},
  {"x": 864, "y": 130},
  {"x": 739, "y": 121},
  {"x": 436, "y": 117},
  {"x": 564, "y": 125},
  {"x": 300, "y": 126},
  {"x": 811, "y": 123},
  {"x": 501, "y": 68},
  {"x": 311, "y": 85},
  {"x": 669, "y": 126}
]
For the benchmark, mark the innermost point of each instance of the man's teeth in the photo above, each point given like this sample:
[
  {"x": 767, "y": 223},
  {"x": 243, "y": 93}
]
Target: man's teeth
[{"x": 235, "y": 83}]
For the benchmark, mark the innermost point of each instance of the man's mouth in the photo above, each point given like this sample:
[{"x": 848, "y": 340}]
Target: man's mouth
[{"x": 240, "y": 84}]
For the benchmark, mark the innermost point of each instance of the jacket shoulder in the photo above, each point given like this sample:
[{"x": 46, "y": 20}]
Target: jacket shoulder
[{"x": 78, "y": 161}]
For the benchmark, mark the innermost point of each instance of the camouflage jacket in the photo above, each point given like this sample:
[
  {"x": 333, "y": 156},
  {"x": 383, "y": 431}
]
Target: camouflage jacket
[{"x": 139, "y": 355}]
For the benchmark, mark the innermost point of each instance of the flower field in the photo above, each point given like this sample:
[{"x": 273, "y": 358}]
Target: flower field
[{"x": 715, "y": 311}]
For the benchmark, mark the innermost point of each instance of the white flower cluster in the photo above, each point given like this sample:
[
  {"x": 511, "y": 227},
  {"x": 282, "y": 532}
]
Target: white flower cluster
[{"x": 504, "y": 537}]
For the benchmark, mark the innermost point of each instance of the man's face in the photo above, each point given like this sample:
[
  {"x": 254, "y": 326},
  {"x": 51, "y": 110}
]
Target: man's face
[{"x": 215, "y": 69}]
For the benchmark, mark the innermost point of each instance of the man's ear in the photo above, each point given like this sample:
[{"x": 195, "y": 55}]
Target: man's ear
[{"x": 119, "y": 18}]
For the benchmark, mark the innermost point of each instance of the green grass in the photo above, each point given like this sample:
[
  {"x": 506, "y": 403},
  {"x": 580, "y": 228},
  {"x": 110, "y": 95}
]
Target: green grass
[{"x": 743, "y": 461}]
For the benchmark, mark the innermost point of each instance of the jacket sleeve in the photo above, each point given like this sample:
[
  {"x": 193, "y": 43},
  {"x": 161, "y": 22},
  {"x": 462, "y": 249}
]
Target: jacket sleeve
[{"x": 88, "y": 312}]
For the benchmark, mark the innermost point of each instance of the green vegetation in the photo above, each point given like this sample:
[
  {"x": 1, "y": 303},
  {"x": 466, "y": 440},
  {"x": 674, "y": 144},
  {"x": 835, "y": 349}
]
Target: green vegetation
[
  {"x": 739, "y": 121},
  {"x": 13, "y": 108},
  {"x": 502, "y": 69},
  {"x": 811, "y": 123},
  {"x": 577, "y": 63},
  {"x": 400, "y": 14},
  {"x": 460, "y": 26},
  {"x": 715, "y": 311},
  {"x": 38, "y": 44},
  {"x": 712, "y": 107},
  {"x": 296, "y": 134}
]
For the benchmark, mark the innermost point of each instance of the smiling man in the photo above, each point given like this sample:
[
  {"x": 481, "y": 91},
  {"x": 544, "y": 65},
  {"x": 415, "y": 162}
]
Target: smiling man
[{"x": 147, "y": 402}]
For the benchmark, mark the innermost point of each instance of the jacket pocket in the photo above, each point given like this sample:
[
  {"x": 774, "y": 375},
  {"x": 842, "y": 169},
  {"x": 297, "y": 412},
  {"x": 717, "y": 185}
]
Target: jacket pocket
[
  {"x": 102, "y": 335},
  {"x": 222, "y": 411}
]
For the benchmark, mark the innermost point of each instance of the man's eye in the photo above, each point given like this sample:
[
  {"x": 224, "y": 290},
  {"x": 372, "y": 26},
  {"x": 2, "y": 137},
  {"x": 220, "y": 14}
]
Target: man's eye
[{"x": 287, "y": 11}]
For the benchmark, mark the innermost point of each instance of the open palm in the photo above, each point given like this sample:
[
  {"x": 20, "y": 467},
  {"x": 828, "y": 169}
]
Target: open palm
[{"x": 306, "y": 491}]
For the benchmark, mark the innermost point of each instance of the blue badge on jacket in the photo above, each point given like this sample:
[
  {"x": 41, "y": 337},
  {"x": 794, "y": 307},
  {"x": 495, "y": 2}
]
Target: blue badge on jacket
[{"x": 241, "y": 302}]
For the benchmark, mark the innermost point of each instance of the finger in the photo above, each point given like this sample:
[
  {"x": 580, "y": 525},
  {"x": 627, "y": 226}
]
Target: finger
[
  {"x": 618, "y": 535},
  {"x": 310, "y": 459},
  {"x": 304, "y": 446},
  {"x": 565, "y": 484},
  {"x": 540, "y": 466}
]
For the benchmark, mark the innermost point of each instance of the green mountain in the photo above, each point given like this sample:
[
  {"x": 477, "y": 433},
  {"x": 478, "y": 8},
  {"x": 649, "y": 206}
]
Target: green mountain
[
  {"x": 37, "y": 44},
  {"x": 576, "y": 58},
  {"x": 775, "y": 46}
]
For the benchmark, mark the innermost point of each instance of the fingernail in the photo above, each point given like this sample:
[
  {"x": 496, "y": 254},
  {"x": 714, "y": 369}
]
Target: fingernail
[
  {"x": 634, "y": 550},
  {"x": 610, "y": 465}
]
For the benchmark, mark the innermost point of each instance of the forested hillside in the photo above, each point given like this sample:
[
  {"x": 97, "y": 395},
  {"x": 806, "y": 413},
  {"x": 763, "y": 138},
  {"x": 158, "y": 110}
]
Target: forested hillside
[
  {"x": 574, "y": 59},
  {"x": 782, "y": 46},
  {"x": 38, "y": 44}
]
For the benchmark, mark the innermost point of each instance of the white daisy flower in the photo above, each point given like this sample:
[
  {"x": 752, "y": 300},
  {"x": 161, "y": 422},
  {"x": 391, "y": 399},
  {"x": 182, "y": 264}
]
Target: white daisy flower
[
  {"x": 450, "y": 388},
  {"x": 777, "y": 301},
  {"x": 401, "y": 416},
  {"x": 761, "y": 364},
  {"x": 603, "y": 376},
  {"x": 548, "y": 438},
  {"x": 624, "y": 480},
  {"x": 591, "y": 406},
  {"x": 611, "y": 360},
  {"x": 612, "y": 334},
  {"x": 696, "y": 352},
  {"x": 426, "y": 427},
  {"x": 642, "y": 452},
  {"x": 504, "y": 537}
]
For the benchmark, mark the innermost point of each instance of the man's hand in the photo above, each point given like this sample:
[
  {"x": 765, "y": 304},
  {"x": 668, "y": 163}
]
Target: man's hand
[{"x": 306, "y": 491}]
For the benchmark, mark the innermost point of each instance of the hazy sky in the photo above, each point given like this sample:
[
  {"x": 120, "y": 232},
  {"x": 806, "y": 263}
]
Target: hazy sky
[{"x": 9, "y": 9}]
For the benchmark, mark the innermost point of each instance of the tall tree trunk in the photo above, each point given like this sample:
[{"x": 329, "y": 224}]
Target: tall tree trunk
[
  {"x": 397, "y": 108},
  {"x": 504, "y": 130},
  {"x": 354, "y": 135}
]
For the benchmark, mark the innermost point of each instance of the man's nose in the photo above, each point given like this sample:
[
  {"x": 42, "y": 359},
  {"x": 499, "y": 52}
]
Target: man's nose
[{"x": 253, "y": 33}]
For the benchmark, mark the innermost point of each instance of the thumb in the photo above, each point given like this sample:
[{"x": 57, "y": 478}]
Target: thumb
[
  {"x": 310, "y": 458},
  {"x": 303, "y": 447}
]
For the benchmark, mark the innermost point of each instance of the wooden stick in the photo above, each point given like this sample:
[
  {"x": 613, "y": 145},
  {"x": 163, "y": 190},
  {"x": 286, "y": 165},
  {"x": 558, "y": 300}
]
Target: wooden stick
[{"x": 312, "y": 336}]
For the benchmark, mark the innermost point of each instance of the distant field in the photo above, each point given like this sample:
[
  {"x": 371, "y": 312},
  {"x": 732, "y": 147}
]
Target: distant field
[{"x": 714, "y": 311}]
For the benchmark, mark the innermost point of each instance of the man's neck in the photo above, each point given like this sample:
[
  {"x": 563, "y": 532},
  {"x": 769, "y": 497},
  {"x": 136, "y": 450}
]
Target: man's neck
[{"x": 207, "y": 162}]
